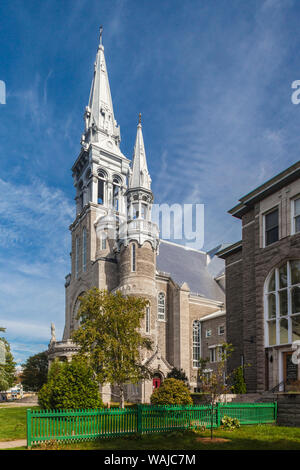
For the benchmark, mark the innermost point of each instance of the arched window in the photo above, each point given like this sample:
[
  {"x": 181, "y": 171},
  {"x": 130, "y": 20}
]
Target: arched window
[
  {"x": 77, "y": 256},
  {"x": 116, "y": 193},
  {"x": 133, "y": 257},
  {"x": 161, "y": 307},
  {"x": 101, "y": 186},
  {"x": 196, "y": 343},
  {"x": 282, "y": 304},
  {"x": 84, "y": 249}
]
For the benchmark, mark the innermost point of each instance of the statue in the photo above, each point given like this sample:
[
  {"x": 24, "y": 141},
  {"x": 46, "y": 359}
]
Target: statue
[{"x": 53, "y": 337}]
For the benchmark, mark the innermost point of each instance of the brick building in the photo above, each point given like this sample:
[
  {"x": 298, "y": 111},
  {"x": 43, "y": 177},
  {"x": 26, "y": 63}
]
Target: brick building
[
  {"x": 263, "y": 282},
  {"x": 116, "y": 246}
]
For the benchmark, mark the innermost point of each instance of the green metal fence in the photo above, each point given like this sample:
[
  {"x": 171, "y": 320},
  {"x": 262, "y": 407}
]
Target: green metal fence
[{"x": 74, "y": 425}]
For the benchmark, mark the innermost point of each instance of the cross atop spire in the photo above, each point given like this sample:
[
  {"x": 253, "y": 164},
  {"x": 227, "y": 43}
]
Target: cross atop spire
[{"x": 101, "y": 32}]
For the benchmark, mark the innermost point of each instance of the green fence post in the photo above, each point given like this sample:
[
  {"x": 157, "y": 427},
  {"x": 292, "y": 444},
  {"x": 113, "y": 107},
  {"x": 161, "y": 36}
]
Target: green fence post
[
  {"x": 275, "y": 412},
  {"x": 218, "y": 420},
  {"x": 139, "y": 419},
  {"x": 28, "y": 428}
]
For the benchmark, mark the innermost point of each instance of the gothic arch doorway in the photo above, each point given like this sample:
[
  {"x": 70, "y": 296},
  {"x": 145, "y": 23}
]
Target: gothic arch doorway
[{"x": 157, "y": 380}]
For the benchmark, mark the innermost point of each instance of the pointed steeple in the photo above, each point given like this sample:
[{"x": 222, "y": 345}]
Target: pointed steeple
[
  {"x": 99, "y": 114},
  {"x": 140, "y": 177}
]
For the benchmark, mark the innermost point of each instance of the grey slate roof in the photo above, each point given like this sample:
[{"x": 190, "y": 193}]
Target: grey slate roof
[{"x": 190, "y": 266}]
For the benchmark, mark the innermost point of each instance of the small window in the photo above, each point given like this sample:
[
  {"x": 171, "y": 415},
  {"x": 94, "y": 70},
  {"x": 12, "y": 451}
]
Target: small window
[
  {"x": 133, "y": 257},
  {"x": 208, "y": 333},
  {"x": 147, "y": 326},
  {"x": 296, "y": 215},
  {"x": 103, "y": 240},
  {"x": 101, "y": 186},
  {"x": 84, "y": 249},
  {"x": 116, "y": 193},
  {"x": 271, "y": 227},
  {"x": 196, "y": 343},
  {"x": 161, "y": 308},
  {"x": 221, "y": 330},
  {"x": 212, "y": 354},
  {"x": 76, "y": 257}
]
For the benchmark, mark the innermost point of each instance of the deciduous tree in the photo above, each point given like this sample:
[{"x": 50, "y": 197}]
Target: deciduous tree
[{"x": 109, "y": 335}]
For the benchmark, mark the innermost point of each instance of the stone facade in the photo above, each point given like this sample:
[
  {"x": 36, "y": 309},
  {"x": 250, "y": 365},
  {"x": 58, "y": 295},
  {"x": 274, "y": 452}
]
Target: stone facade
[
  {"x": 249, "y": 265},
  {"x": 116, "y": 246}
]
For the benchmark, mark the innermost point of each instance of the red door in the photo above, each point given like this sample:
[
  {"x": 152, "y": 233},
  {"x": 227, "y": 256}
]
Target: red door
[{"x": 156, "y": 382}]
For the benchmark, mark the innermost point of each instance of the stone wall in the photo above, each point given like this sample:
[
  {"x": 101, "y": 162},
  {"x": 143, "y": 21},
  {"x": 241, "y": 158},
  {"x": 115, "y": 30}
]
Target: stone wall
[{"x": 288, "y": 409}]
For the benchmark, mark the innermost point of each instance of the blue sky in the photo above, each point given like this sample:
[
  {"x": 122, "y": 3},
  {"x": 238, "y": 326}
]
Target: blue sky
[{"x": 212, "y": 79}]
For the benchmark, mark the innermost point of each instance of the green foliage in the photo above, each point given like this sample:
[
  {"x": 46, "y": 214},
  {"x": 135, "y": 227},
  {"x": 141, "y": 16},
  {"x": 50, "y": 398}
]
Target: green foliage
[
  {"x": 35, "y": 372},
  {"x": 7, "y": 370},
  {"x": 178, "y": 374},
  {"x": 230, "y": 423},
  {"x": 239, "y": 381},
  {"x": 109, "y": 335},
  {"x": 171, "y": 392},
  {"x": 71, "y": 385}
]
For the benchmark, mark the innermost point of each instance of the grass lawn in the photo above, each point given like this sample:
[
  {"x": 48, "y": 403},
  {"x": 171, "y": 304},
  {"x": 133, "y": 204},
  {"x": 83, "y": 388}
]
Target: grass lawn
[
  {"x": 260, "y": 437},
  {"x": 13, "y": 423}
]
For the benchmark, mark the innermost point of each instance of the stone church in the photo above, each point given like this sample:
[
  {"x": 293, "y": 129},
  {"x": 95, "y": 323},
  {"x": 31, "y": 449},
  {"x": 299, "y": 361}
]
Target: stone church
[{"x": 116, "y": 246}]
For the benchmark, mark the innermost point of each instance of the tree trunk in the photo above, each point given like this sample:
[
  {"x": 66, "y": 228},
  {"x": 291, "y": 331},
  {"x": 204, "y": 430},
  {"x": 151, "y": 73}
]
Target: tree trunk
[
  {"x": 122, "y": 401},
  {"x": 211, "y": 420}
]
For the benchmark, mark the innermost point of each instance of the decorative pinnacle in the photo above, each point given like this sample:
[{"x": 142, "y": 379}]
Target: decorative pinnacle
[
  {"x": 101, "y": 32},
  {"x": 140, "y": 118}
]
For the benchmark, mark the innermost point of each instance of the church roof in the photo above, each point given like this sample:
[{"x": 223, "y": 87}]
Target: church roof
[{"x": 187, "y": 265}]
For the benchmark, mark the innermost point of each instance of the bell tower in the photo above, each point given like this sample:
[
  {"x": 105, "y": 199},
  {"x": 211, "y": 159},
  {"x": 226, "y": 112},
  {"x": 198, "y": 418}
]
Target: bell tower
[
  {"x": 100, "y": 175},
  {"x": 138, "y": 238}
]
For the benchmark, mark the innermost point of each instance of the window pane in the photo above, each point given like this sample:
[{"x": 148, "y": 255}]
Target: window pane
[
  {"x": 284, "y": 337},
  {"x": 100, "y": 191},
  {"x": 272, "y": 220},
  {"x": 272, "y": 332},
  {"x": 272, "y": 306},
  {"x": 297, "y": 207},
  {"x": 271, "y": 285},
  {"x": 296, "y": 300},
  {"x": 295, "y": 272},
  {"x": 297, "y": 223},
  {"x": 283, "y": 276},
  {"x": 296, "y": 328},
  {"x": 283, "y": 306},
  {"x": 272, "y": 236}
]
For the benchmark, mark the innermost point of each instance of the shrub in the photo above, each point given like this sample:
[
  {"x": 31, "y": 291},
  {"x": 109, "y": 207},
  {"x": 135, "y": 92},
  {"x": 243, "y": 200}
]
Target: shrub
[
  {"x": 71, "y": 385},
  {"x": 178, "y": 374},
  {"x": 230, "y": 423},
  {"x": 171, "y": 392},
  {"x": 239, "y": 381}
]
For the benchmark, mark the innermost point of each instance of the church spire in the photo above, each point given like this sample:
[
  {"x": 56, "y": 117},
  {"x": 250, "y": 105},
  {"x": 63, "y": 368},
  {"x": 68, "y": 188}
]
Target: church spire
[
  {"x": 140, "y": 177},
  {"x": 99, "y": 114}
]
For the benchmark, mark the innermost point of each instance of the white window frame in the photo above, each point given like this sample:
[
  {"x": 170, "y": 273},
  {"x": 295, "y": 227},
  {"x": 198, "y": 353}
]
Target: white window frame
[
  {"x": 219, "y": 327},
  {"x": 264, "y": 225},
  {"x": 196, "y": 356},
  {"x": 161, "y": 306},
  {"x": 293, "y": 222},
  {"x": 208, "y": 333},
  {"x": 289, "y": 315}
]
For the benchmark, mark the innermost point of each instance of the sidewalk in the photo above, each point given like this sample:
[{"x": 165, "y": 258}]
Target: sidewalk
[{"x": 13, "y": 444}]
